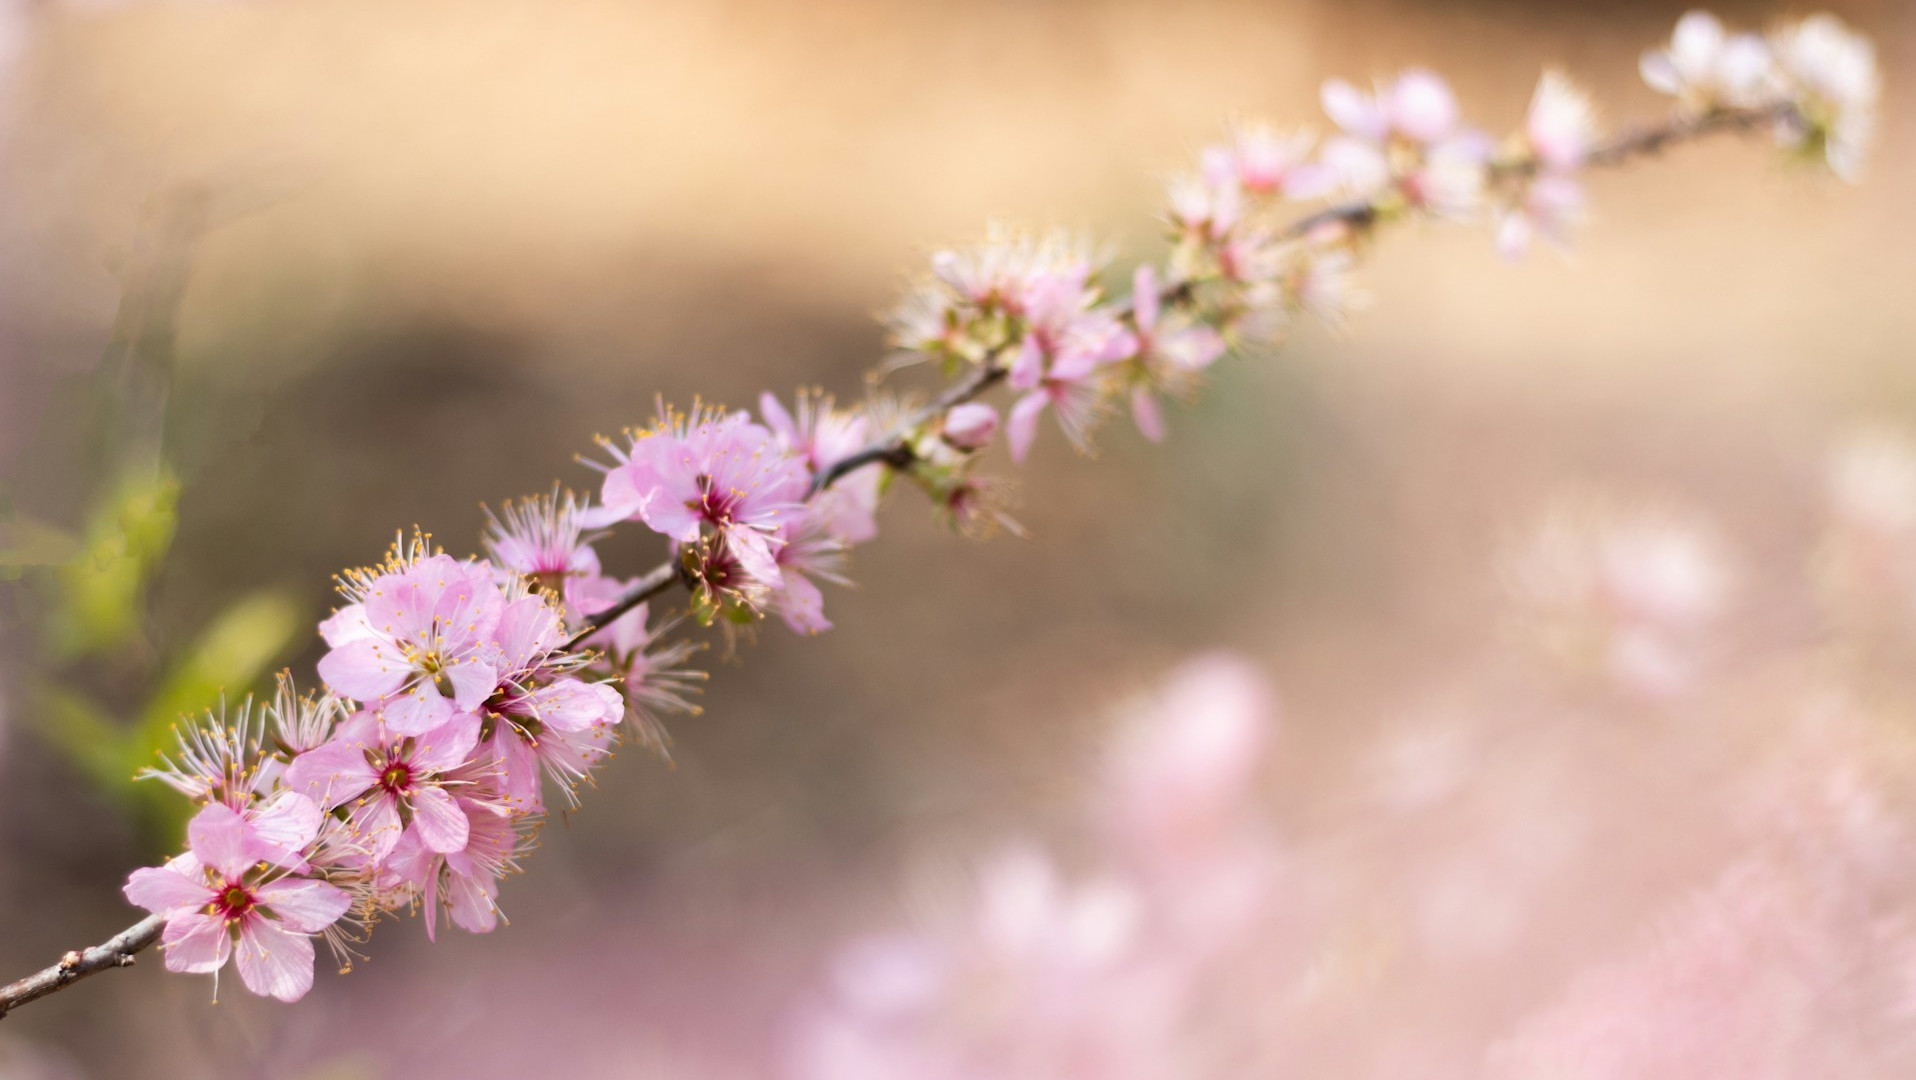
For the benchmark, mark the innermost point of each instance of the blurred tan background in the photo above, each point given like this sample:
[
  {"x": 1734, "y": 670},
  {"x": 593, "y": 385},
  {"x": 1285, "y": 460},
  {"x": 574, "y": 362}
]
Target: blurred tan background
[{"x": 459, "y": 240}]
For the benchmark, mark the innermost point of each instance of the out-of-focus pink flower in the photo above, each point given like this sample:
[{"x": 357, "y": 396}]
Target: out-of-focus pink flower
[
  {"x": 1069, "y": 341},
  {"x": 221, "y": 899},
  {"x": 810, "y": 551},
  {"x": 1263, "y": 162},
  {"x": 1171, "y": 352},
  {"x": 1547, "y": 208},
  {"x": 1830, "y": 72},
  {"x": 1632, "y": 593},
  {"x": 416, "y": 645},
  {"x": 1417, "y": 106},
  {"x": 1181, "y": 777},
  {"x": 1561, "y": 125}
]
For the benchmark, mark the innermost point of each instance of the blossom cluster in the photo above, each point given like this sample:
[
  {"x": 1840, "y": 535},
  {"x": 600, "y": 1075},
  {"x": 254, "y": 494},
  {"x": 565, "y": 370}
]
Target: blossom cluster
[{"x": 462, "y": 698}]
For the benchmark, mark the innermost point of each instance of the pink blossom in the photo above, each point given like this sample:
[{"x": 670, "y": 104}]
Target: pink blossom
[
  {"x": 1547, "y": 208},
  {"x": 541, "y": 718},
  {"x": 545, "y": 539},
  {"x": 220, "y": 900},
  {"x": 1181, "y": 778},
  {"x": 821, "y": 436},
  {"x": 416, "y": 646},
  {"x": 1703, "y": 67},
  {"x": 464, "y": 882},
  {"x": 810, "y": 551},
  {"x": 709, "y": 469},
  {"x": 1171, "y": 351},
  {"x": 1068, "y": 343},
  {"x": 391, "y": 782},
  {"x": 1561, "y": 125},
  {"x": 653, "y": 670},
  {"x": 1831, "y": 72},
  {"x": 1263, "y": 162},
  {"x": 1417, "y": 106},
  {"x": 1207, "y": 206}
]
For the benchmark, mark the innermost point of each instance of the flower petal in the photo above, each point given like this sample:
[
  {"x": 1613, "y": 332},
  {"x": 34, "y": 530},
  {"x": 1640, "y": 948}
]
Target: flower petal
[
  {"x": 218, "y": 837},
  {"x": 332, "y": 774},
  {"x": 364, "y": 669},
  {"x": 283, "y": 827},
  {"x": 275, "y": 962},
  {"x": 162, "y": 889},
  {"x": 303, "y": 904},
  {"x": 195, "y": 943},
  {"x": 1022, "y": 426},
  {"x": 442, "y": 826}
]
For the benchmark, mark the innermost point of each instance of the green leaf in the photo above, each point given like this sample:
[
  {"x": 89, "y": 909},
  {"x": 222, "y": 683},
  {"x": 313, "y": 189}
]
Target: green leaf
[{"x": 101, "y": 589}]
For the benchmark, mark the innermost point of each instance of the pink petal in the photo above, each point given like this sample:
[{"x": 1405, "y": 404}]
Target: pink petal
[
  {"x": 217, "y": 835},
  {"x": 468, "y": 605},
  {"x": 364, "y": 669},
  {"x": 1144, "y": 410},
  {"x": 1144, "y": 298},
  {"x": 1022, "y": 427},
  {"x": 398, "y": 606},
  {"x": 1027, "y": 371},
  {"x": 528, "y": 629},
  {"x": 778, "y": 419},
  {"x": 283, "y": 827},
  {"x": 416, "y": 711},
  {"x": 195, "y": 943},
  {"x": 441, "y": 824},
  {"x": 274, "y": 962},
  {"x": 473, "y": 681},
  {"x": 332, "y": 774},
  {"x": 161, "y": 889},
  {"x": 376, "y": 822},
  {"x": 1353, "y": 110},
  {"x": 1422, "y": 107},
  {"x": 520, "y": 783},
  {"x": 448, "y": 745},
  {"x": 572, "y": 705},
  {"x": 471, "y": 906},
  {"x": 303, "y": 904},
  {"x": 755, "y": 555},
  {"x": 347, "y": 624},
  {"x": 622, "y": 498},
  {"x": 802, "y": 606}
]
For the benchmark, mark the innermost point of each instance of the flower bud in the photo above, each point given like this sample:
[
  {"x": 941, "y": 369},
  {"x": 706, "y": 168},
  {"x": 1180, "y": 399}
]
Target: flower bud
[{"x": 970, "y": 426}]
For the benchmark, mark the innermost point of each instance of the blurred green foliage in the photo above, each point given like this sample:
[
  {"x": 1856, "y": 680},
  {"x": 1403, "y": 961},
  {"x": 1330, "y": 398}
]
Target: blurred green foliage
[
  {"x": 107, "y": 696},
  {"x": 96, "y": 606}
]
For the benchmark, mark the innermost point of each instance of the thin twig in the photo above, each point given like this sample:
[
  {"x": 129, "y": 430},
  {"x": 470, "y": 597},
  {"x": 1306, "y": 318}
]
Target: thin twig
[
  {"x": 117, "y": 952},
  {"x": 656, "y": 581}
]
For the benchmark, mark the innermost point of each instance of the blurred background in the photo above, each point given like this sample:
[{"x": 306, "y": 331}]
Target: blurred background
[{"x": 424, "y": 252}]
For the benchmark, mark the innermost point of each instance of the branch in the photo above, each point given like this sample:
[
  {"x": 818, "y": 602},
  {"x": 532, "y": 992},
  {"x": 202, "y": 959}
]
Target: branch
[
  {"x": 656, "y": 580},
  {"x": 895, "y": 450},
  {"x": 117, "y": 952}
]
